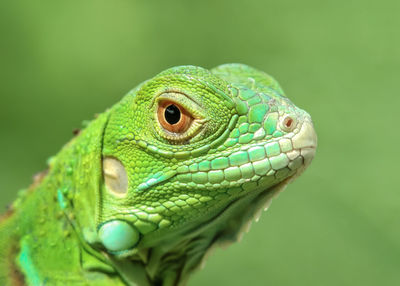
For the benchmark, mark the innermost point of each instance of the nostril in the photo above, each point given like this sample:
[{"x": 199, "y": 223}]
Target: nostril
[{"x": 288, "y": 123}]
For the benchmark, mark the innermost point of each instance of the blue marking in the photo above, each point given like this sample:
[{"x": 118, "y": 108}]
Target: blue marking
[
  {"x": 156, "y": 179},
  {"x": 61, "y": 200},
  {"x": 27, "y": 265}
]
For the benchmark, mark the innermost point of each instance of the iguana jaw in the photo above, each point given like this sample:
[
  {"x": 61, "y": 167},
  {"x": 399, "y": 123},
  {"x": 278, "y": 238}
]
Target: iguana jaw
[
  {"x": 175, "y": 256},
  {"x": 265, "y": 168},
  {"x": 304, "y": 148},
  {"x": 169, "y": 252}
]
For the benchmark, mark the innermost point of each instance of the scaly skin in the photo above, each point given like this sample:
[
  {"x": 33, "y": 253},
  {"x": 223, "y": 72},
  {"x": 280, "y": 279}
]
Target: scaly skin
[{"x": 128, "y": 202}]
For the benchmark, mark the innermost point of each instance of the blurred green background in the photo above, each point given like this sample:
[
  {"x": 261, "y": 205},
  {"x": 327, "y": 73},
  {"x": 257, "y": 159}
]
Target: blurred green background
[{"x": 338, "y": 224}]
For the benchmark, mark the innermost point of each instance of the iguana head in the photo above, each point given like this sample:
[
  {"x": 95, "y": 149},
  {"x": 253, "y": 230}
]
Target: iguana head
[{"x": 191, "y": 151}]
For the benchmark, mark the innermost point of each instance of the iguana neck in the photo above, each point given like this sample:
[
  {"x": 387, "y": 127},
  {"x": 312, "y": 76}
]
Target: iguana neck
[
  {"x": 171, "y": 261},
  {"x": 50, "y": 218}
]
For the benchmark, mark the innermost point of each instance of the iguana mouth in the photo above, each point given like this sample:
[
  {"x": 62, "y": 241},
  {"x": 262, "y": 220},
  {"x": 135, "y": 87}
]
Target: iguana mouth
[
  {"x": 306, "y": 141},
  {"x": 278, "y": 158},
  {"x": 246, "y": 207},
  {"x": 223, "y": 227}
]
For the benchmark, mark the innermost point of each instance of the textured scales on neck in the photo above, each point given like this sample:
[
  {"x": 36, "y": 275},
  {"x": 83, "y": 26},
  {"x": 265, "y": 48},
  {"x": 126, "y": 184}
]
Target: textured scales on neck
[{"x": 183, "y": 163}]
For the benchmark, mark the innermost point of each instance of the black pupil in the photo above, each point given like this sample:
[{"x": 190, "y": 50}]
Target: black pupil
[{"x": 172, "y": 114}]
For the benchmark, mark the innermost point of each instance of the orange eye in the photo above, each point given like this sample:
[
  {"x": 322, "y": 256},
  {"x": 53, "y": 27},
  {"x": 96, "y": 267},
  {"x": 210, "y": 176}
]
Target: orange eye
[{"x": 173, "y": 117}]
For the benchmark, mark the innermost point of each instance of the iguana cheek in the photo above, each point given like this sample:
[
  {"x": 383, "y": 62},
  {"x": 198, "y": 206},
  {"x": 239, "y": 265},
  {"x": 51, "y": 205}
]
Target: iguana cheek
[
  {"x": 118, "y": 235},
  {"x": 115, "y": 176}
]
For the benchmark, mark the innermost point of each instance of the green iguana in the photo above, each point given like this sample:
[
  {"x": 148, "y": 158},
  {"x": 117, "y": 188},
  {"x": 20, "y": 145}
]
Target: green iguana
[{"x": 184, "y": 162}]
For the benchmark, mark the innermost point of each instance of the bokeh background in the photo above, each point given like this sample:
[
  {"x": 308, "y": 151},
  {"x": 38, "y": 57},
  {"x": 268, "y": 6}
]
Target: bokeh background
[{"x": 63, "y": 61}]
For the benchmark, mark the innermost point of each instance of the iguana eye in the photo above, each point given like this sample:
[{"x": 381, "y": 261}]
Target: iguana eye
[{"x": 173, "y": 117}]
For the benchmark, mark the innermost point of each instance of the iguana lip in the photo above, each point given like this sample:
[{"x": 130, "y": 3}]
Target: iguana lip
[
  {"x": 308, "y": 154},
  {"x": 306, "y": 141},
  {"x": 306, "y": 137}
]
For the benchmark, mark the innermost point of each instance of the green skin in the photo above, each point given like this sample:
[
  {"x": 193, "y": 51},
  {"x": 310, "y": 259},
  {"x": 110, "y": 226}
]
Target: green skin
[{"x": 127, "y": 202}]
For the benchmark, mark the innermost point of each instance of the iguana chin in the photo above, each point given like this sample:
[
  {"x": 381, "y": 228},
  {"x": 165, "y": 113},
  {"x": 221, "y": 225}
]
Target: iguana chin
[{"x": 184, "y": 162}]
